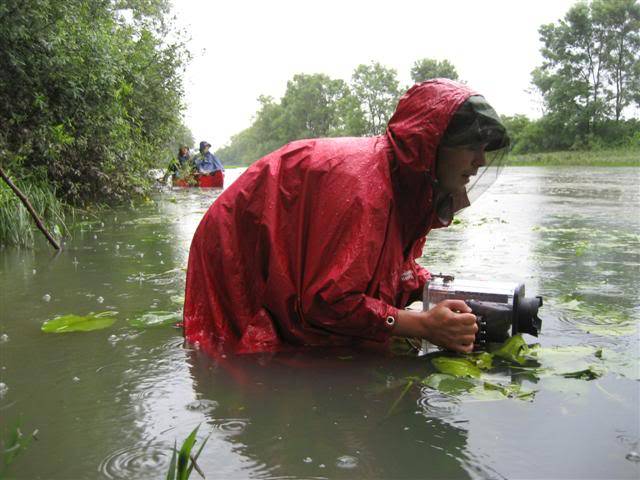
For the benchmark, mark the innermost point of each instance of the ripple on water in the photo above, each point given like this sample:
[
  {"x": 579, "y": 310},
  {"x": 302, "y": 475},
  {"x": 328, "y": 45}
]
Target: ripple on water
[
  {"x": 437, "y": 404},
  {"x": 230, "y": 426},
  {"x": 204, "y": 405},
  {"x": 347, "y": 462},
  {"x": 137, "y": 461}
]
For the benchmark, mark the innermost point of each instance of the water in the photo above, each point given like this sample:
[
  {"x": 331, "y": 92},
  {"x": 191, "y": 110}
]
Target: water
[{"x": 111, "y": 403}]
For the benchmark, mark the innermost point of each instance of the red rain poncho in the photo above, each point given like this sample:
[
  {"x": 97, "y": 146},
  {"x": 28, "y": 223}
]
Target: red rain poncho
[{"x": 315, "y": 244}]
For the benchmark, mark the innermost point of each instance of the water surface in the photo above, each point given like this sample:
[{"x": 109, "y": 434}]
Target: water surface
[{"x": 111, "y": 403}]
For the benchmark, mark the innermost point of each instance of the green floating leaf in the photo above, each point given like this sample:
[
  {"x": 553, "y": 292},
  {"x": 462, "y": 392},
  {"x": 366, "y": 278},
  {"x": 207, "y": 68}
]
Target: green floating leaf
[
  {"x": 482, "y": 360},
  {"x": 77, "y": 323},
  {"x": 589, "y": 373},
  {"x": 458, "y": 367},
  {"x": 514, "y": 349},
  {"x": 155, "y": 319},
  {"x": 448, "y": 383}
]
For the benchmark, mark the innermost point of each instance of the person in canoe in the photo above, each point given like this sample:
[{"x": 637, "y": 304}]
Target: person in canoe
[
  {"x": 316, "y": 243},
  {"x": 208, "y": 165}
]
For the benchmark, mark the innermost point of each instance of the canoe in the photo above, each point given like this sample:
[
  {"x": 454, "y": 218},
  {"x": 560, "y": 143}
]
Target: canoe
[{"x": 214, "y": 180}]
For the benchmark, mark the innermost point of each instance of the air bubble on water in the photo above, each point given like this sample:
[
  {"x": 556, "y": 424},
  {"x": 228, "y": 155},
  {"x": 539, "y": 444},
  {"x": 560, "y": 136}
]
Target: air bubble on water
[
  {"x": 95, "y": 237},
  {"x": 633, "y": 456},
  {"x": 322, "y": 465},
  {"x": 159, "y": 253},
  {"x": 3, "y": 389},
  {"x": 308, "y": 460},
  {"x": 34, "y": 271},
  {"x": 141, "y": 254},
  {"x": 100, "y": 299},
  {"x": 4, "y": 338},
  {"x": 76, "y": 379},
  {"x": 46, "y": 297},
  {"x": 347, "y": 461},
  {"x": 102, "y": 224},
  {"x": 161, "y": 262},
  {"x": 406, "y": 428}
]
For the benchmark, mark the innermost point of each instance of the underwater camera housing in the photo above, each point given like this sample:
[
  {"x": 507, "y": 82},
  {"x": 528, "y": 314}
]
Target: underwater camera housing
[{"x": 501, "y": 308}]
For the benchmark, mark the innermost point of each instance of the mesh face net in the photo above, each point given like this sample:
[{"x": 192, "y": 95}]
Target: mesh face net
[{"x": 476, "y": 125}]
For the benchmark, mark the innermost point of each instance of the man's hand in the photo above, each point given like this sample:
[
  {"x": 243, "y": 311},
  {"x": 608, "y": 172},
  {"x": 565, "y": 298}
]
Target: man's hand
[{"x": 450, "y": 324}]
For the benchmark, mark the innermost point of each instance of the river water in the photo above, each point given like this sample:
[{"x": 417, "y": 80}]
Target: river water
[{"x": 111, "y": 403}]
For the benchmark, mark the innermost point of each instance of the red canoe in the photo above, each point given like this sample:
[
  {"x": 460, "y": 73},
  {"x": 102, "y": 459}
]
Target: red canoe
[{"x": 215, "y": 180}]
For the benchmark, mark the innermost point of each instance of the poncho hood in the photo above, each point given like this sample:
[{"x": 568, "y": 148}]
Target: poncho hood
[{"x": 420, "y": 121}]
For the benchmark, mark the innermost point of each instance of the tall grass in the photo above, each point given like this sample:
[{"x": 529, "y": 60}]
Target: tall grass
[
  {"x": 603, "y": 158},
  {"x": 16, "y": 224}
]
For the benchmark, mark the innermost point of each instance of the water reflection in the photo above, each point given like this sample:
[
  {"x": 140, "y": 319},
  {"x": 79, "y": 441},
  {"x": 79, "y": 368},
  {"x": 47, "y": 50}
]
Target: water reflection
[{"x": 325, "y": 414}]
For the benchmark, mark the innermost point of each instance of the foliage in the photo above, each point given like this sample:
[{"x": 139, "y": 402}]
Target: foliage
[
  {"x": 183, "y": 462},
  {"x": 313, "y": 106},
  {"x": 605, "y": 158},
  {"x": 13, "y": 442},
  {"x": 590, "y": 72},
  {"x": 427, "y": 68},
  {"x": 77, "y": 323},
  {"x": 376, "y": 89},
  {"x": 90, "y": 94},
  {"x": 16, "y": 224}
]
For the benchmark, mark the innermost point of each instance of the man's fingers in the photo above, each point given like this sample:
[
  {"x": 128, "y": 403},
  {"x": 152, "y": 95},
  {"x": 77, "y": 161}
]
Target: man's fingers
[{"x": 458, "y": 306}]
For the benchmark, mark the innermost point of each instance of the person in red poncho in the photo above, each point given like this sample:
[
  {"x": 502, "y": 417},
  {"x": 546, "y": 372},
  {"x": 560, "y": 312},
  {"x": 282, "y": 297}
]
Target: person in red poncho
[{"x": 316, "y": 243}]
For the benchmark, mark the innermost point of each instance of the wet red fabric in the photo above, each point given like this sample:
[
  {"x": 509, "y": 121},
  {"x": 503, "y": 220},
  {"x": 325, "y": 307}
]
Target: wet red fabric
[{"x": 315, "y": 244}]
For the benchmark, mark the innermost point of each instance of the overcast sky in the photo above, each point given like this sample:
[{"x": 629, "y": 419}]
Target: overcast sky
[{"x": 242, "y": 49}]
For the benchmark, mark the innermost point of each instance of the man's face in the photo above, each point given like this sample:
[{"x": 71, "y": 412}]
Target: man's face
[{"x": 456, "y": 166}]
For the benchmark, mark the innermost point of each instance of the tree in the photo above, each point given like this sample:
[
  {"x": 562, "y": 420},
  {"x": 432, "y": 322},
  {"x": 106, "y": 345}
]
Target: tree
[
  {"x": 588, "y": 73},
  {"x": 90, "y": 98},
  {"x": 377, "y": 91},
  {"x": 427, "y": 68}
]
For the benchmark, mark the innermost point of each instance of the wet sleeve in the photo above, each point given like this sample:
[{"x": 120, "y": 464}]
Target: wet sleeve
[{"x": 341, "y": 265}]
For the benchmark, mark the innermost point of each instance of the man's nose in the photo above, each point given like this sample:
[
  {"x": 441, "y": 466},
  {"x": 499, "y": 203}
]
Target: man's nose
[{"x": 479, "y": 158}]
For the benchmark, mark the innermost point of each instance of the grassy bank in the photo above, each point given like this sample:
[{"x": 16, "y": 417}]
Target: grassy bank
[
  {"x": 604, "y": 158},
  {"x": 16, "y": 225}
]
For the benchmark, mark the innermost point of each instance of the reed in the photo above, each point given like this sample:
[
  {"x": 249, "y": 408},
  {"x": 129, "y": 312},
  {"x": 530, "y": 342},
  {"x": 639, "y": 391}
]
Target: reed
[{"x": 16, "y": 225}]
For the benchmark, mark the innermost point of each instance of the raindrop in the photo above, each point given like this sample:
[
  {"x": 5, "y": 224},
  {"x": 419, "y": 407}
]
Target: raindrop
[
  {"x": 347, "y": 461},
  {"x": 322, "y": 465},
  {"x": 141, "y": 255},
  {"x": 633, "y": 456},
  {"x": 308, "y": 460},
  {"x": 159, "y": 254},
  {"x": 34, "y": 271},
  {"x": 100, "y": 299},
  {"x": 3, "y": 389},
  {"x": 202, "y": 405},
  {"x": 4, "y": 338},
  {"x": 46, "y": 297},
  {"x": 95, "y": 237},
  {"x": 76, "y": 379}
]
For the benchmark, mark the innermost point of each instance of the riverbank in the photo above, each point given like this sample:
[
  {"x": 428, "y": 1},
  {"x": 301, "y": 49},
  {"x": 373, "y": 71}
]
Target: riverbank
[{"x": 600, "y": 158}]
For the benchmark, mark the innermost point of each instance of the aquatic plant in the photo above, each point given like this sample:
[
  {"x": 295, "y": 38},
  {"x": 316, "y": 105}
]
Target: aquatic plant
[
  {"x": 16, "y": 225},
  {"x": 77, "y": 323},
  {"x": 12, "y": 443},
  {"x": 183, "y": 462}
]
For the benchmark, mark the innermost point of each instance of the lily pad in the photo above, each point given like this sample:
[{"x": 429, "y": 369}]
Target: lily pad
[
  {"x": 448, "y": 383},
  {"x": 156, "y": 319},
  {"x": 77, "y": 323},
  {"x": 458, "y": 367},
  {"x": 515, "y": 349}
]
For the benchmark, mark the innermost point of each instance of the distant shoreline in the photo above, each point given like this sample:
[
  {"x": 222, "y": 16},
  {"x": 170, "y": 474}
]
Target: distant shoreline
[{"x": 601, "y": 158}]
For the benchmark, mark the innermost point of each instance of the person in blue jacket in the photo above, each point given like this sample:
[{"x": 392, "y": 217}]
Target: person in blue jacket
[{"x": 205, "y": 161}]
